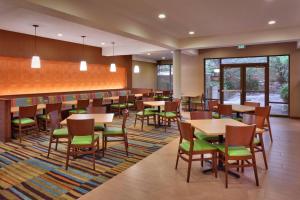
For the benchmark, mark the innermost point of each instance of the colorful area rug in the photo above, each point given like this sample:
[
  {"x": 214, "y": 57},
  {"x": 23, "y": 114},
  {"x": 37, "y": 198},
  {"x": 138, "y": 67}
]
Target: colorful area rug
[{"x": 26, "y": 173}]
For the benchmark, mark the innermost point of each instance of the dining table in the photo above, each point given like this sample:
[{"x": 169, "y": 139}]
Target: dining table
[
  {"x": 104, "y": 118},
  {"x": 240, "y": 109},
  {"x": 189, "y": 97}
]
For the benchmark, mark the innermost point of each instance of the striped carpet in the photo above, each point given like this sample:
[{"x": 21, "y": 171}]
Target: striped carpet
[{"x": 26, "y": 173}]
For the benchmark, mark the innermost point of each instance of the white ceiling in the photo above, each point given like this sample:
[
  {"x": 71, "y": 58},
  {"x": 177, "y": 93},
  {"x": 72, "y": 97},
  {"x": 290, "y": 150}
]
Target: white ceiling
[{"x": 136, "y": 29}]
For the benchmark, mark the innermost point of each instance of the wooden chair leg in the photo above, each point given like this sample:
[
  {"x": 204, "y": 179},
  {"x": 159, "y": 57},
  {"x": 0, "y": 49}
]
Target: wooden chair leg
[
  {"x": 126, "y": 144},
  {"x": 98, "y": 145},
  {"x": 255, "y": 170},
  {"x": 20, "y": 135},
  {"x": 56, "y": 143},
  {"x": 135, "y": 121},
  {"x": 177, "y": 159},
  {"x": 103, "y": 145},
  {"x": 202, "y": 162},
  {"x": 263, "y": 151},
  {"x": 94, "y": 160},
  {"x": 49, "y": 148},
  {"x": 68, "y": 156},
  {"x": 270, "y": 131},
  {"x": 142, "y": 128},
  {"x": 215, "y": 164},
  {"x": 189, "y": 168},
  {"x": 226, "y": 174},
  {"x": 243, "y": 168}
]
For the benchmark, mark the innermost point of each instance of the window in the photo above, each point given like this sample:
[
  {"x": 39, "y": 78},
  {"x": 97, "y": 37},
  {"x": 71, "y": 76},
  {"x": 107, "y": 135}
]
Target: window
[
  {"x": 212, "y": 78},
  {"x": 165, "y": 77}
]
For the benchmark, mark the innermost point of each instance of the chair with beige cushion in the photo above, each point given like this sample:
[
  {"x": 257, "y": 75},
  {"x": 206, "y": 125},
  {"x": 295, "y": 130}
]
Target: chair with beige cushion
[{"x": 265, "y": 112}]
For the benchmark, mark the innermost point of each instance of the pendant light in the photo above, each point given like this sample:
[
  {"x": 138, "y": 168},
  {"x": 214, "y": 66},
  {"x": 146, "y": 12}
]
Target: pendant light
[
  {"x": 113, "y": 67},
  {"x": 83, "y": 63},
  {"x": 35, "y": 61},
  {"x": 136, "y": 69}
]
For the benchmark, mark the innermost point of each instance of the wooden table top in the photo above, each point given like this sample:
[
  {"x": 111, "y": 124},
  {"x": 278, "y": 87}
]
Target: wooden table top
[
  {"x": 240, "y": 108},
  {"x": 215, "y": 127},
  {"x": 154, "y": 103},
  {"x": 72, "y": 102},
  {"x": 138, "y": 95},
  {"x": 111, "y": 98},
  {"x": 16, "y": 109},
  {"x": 191, "y": 95},
  {"x": 99, "y": 118}
]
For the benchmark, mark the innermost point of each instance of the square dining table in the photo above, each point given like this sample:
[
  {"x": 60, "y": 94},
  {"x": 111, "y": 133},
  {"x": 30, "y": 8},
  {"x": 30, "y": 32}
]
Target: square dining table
[
  {"x": 99, "y": 118},
  {"x": 157, "y": 104}
]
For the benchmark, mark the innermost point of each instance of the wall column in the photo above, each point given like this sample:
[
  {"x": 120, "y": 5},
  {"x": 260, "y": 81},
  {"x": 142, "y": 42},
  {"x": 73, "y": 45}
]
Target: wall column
[{"x": 177, "y": 74}]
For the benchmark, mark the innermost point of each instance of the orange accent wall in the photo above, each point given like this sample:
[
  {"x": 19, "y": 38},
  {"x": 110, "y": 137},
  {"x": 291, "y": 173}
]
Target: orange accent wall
[{"x": 17, "y": 77}]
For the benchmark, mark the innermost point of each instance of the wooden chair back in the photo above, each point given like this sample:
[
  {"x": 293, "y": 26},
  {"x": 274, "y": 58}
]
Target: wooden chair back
[
  {"x": 54, "y": 120},
  {"x": 97, "y": 102},
  {"x": 225, "y": 110},
  {"x": 212, "y": 104},
  {"x": 186, "y": 131},
  {"x": 96, "y": 110},
  {"x": 125, "y": 113},
  {"x": 239, "y": 136},
  {"x": 122, "y": 99},
  {"x": 166, "y": 93},
  {"x": 151, "y": 94},
  {"x": 145, "y": 95},
  {"x": 27, "y": 111},
  {"x": 263, "y": 111},
  {"x": 80, "y": 127},
  {"x": 139, "y": 105},
  {"x": 201, "y": 115},
  {"x": 249, "y": 119},
  {"x": 83, "y": 103},
  {"x": 171, "y": 106},
  {"x": 52, "y": 107},
  {"x": 131, "y": 98},
  {"x": 254, "y": 104}
]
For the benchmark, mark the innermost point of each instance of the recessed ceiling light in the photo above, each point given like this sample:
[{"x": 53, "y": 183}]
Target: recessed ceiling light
[
  {"x": 191, "y": 32},
  {"x": 102, "y": 43},
  {"x": 59, "y": 34},
  {"x": 163, "y": 57},
  {"x": 162, "y": 16},
  {"x": 149, "y": 54},
  {"x": 271, "y": 22}
]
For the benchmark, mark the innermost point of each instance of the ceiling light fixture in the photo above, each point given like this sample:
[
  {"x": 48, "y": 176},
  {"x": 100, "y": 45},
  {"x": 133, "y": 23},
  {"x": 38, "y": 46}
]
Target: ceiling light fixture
[
  {"x": 136, "y": 69},
  {"x": 102, "y": 43},
  {"x": 83, "y": 63},
  {"x": 149, "y": 54},
  {"x": 191, "y": 32},
  {"x": 113, "y": 67},
  {"x": 162, "y": 16},
  {"x": 163, "y": 58},
  {"x": 59, "y": 34},
  {"x": 272, "y": 22},
  {"x": 35, "y": 61}
]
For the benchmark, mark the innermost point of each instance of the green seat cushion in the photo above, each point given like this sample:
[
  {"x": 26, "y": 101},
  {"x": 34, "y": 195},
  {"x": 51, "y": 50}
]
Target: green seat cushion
[
  {"x": 130, "y": 104},
  {"x": 199, "y": 145},
  {"x": 80, "y": 111},
  {"x": 235, "y": 151},
  {"x": 197, "y": 101},
  {"x": 113, "y": 131},
  {"x": 164, "y": 97},
  {"x": 215, "y": 115},
  {"x": 238, "y": 119},
  {"x": 151, "y": 109},
  {"x": 60, "y": 132},
  {"x": 119, "y": 105},
  {"x": 44, "y": 117},
  {"x": 167, "y": 114},
  {"x": 83, "y": 140},
  {"x": 202, "y": 136},
  {"x": 24, "y": 121},
  {"x": 99, "y": 127},
  {"x": 146, "y": 113}
]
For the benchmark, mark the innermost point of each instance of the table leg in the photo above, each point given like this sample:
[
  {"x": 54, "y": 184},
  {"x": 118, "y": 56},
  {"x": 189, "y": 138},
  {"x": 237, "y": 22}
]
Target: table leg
[{"x": 158, "y": 121}]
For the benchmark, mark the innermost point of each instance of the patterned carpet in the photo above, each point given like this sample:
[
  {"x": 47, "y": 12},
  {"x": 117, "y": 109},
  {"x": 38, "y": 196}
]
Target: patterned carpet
[{"x": 26, "y": 173}]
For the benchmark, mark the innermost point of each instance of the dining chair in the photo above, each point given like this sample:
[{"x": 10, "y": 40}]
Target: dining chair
[
  {"x": 213, "y": 107},
  {"x": 143, "y": 114},
  {"x": 26, "y": 121},
  {"x": 97, "y": 110},
  {"x": 116, "y": 132},
  {"x": 44, "y": 119},
  {"x": 188, "y": 147},
  {"x": 238, "y": 147},
  {"x": 254, "y": 104},
  {"x": 178, "y": 101},
  {"x": 82, "y": 139},
  {"x": 258, "y": 141},
  {"x": 169, "y": 114},
  {"x": 81, "y": 107},
  {"x": 165, "y": 96},
  {"x": 225, "y": 111},
  {"x": 121, "y": 105},
  {"x": 97, "y": 102},
  {"x": 56, "y": 131},
  {"x": 198, "y": 102},
  {"x": 265, "y": 112},
  {"x": 131, "y": 101}
]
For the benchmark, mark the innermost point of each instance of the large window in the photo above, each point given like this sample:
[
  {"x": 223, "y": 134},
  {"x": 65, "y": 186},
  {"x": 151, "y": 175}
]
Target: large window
[
  {"x": 164, "y": 77},
  {"x": 262, "y": 79}
]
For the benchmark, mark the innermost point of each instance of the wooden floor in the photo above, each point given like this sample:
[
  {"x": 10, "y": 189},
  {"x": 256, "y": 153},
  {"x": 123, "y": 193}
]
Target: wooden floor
[{"x": 155, "y": 176}]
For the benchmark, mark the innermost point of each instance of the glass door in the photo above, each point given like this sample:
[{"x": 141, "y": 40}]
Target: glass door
[
  {"x": 255, "y": 84},
  {"x": 231, "y": 85}
]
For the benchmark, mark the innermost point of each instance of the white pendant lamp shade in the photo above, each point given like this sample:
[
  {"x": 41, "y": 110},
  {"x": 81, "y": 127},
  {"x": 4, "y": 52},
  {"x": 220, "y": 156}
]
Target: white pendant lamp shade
[
  {"x": 83, "y": 66},
  {"x": 136, "y": 69},
  {"x": 35, "y": 62},
  {"x": 113, "y": 67}
]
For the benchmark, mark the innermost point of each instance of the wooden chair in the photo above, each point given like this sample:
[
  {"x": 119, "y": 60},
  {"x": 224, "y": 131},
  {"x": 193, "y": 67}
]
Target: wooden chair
[
  {"x": 225, "y": 110},
  {"x": 97, "y": 110},
  {"x": 121, "y": 105},
  {"x": 258, "y": 141},
  {"x": 82, "y": 139},
  {"x": 56, "y": 131},
  {"x": 82, "y": 105},
  {"x": 143, "y": 114},
  {"x": 44, "y": 119},
  {"x": 184, "y": 103},
  {"x": 239, "y": 139},
  {"x": 97, "y": 102},
  {"x": 169, "y": 114},
  {"x": 178, "y": 101},
  {"x": 265, "y": 112},
  {"x": 165, "y": 96},
  {"x": 131, "y": 101},
  {"x": 26, "y": 120},
  {"x": 116, "y": 132},
  {"x": 213, "y": 107},
  {"x": 188, "y": 147},
  {"x": 254, "y": 104},
  {"x": 198, "y": 102}
]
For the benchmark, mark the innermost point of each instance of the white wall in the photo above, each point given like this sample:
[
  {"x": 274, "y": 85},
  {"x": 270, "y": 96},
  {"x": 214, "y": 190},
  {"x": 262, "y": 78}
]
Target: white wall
[{"x": 147, "y": 77}]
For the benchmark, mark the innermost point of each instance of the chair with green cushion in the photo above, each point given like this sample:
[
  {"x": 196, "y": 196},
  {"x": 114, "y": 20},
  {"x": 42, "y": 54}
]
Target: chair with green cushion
[
  {"x": 56, "y": 131},
  {"x": 198, "y": 102},
  {"x": 44, "y": 119},
  {"x": 238, "y": 147},
  {"x": 213, "y": 107},
  {"x": 97, "y": 102},
  {"x": 82, "y": 105},
  {"x": 116, "y": 132},
  {"x": 143, "y": 114},
  {"x": 169, "y": 114},
  {"x": 82, "y": 139},
  {"x": 26, "y": 120},
  {"x": 97, "y": 110},
  {"x": 188, "y": 147},
  {"x": 225, "y": 111},
  {"x": 131, "y": 101},
  {"x": 121, "y": 105}
]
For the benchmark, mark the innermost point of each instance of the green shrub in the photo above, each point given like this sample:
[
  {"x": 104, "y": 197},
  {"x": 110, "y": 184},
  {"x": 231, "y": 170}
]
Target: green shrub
[{"x": 284, "y": 92}]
